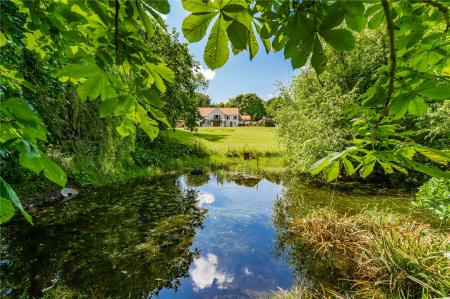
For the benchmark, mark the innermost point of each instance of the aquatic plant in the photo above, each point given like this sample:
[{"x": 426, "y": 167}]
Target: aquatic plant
[{"x": 375, "y": 253}]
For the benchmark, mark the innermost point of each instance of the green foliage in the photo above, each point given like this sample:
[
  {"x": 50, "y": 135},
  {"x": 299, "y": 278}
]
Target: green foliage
[
  {"x": 9, "y": 199},
  {"x": 311, "y": 118},
  {"x": 433, "y": 128},
  {"x": 435, "y": 195},
  {"x": 272, "y": 106},
  {"x": 162, "y": 150},
  {"x": 74, "y": 41},
  {"x": 180, "y": 102},
  {"x": 249, "y": 104},
  {"x": 202, "y": 100},
  {"x": 418, "y": 61},
  {"x": 371, "y": 254}
]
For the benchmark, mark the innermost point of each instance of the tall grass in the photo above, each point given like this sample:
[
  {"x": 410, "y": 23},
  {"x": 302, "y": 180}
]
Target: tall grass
[{"x": 378, "y": 254}]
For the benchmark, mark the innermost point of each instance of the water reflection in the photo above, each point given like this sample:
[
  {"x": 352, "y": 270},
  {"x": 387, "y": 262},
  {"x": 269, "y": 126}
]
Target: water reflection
[
  {"x": 205, "y": 272},
  {"x": 236, "y": 243},
  {"x": 205, "y": 198},
  {"x": 300, "y": 198},
  {"x": 119, "y": 242},
  {"x": 173, "y": 237}
]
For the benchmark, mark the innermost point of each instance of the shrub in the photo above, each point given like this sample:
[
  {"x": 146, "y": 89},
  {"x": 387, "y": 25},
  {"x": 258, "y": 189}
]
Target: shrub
[
  {"x": 435, "y": 195},
  {"x": 310, "y": 118},
  {"x": 162, "y": 150}
]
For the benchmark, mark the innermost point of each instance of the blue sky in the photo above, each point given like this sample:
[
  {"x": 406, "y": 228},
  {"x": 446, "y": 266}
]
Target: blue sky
[{"x": 239, "y": 74}]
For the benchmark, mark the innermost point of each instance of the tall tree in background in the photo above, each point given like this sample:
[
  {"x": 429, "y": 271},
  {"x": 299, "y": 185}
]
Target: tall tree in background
[
  {"x": 272, "y": 106},
  {"x": 249, "y": 104},
  {"x": 417, "y": 66},
  {"x": 180, "y": 102},
  {"x": 311, "y": 120},
  {"x": 202, "y": 100}
]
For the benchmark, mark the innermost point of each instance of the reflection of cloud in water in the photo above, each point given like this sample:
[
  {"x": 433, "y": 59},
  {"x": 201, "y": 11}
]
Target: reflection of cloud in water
[
  {"x": 247, "y": 271},
  {"x": 205, "y": 272},
  {"x": 205, "y": 198}
]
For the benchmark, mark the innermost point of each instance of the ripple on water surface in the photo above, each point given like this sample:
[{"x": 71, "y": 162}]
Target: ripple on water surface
[{"x": 172, "y": 237}]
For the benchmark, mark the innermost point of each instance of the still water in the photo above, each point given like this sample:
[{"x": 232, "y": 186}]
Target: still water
[{"x": 172, "y": 237}]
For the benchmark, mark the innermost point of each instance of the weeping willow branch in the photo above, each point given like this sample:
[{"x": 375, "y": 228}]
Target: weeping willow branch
[
  {"x": 392, "y": 58},
  {"x": 116, "y": 33},
  {"x": 442, "y": 9}
]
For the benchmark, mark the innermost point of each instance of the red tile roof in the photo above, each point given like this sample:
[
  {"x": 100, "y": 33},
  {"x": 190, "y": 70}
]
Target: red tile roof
[
  {"x": 230, "y": 111},
  {"x": 246, "y": 117},
  {"x": 205, "y": 111}
]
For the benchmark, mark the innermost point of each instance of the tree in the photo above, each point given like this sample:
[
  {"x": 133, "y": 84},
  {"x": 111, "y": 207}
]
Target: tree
[
  {"x": 120, "y": 70},
  {"x": 311, "y": 119},
  {"x": 180, "y": 101},
  {"x": 76, "y": 41},
  {"x": 249, "y": 104},
  {"x": 272, "y": 106},
  {"x": 202, "y": 100},
  {"x": 418, "y": 66}
]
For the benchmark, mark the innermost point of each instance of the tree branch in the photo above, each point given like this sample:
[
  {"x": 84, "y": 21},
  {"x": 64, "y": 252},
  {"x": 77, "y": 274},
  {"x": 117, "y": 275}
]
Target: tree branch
[
  {"x": 392, "y": 57},
  {"x": 116, "y": 33},
  {"x": 442, "y": 9}
]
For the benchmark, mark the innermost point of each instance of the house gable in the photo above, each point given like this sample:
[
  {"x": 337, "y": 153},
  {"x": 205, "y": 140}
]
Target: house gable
[{"x": 216, "y": 111}]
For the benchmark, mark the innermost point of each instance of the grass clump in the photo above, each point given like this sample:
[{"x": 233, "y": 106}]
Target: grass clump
[{"x": 376, "y": 254}]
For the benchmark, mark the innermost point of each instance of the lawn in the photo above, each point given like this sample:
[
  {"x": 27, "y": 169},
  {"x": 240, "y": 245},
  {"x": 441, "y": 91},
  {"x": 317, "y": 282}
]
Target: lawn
[{"x": 228, "y": 140}]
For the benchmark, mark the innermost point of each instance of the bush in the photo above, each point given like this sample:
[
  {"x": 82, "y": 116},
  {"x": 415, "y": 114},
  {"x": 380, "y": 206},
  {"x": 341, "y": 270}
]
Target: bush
[
  {"x": 381, "y": 255},
  {"x": 162, "y": 150},
  {"x": 435, "y": 195},
  {"x": 311, "y": 119}
]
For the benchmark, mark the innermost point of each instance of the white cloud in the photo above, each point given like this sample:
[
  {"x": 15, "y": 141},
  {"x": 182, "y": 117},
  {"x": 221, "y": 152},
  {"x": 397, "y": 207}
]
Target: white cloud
[
  {"x": 247, "y": 271},
  {"x": 205, "y": 72},
  {"x": 205, "y": 198},
  {"x": 205, "y": 273}
]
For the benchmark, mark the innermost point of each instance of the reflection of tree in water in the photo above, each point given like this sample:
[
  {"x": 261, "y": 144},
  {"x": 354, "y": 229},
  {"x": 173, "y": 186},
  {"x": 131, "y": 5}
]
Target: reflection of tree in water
[
  {"x": 300, "y": 199},
  {"x": 121, "y": 242},
  {"x": 196, "y": 180},
  {"x": 307, "y": 267},
  {"x": 241, "y": 179}
]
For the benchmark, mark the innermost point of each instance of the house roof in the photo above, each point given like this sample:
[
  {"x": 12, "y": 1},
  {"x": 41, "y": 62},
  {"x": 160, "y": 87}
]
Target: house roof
[
  {"x": 246, "y": 117},
  {"x": 205, "y": 111},
  {"x": 230, "y": 111}
]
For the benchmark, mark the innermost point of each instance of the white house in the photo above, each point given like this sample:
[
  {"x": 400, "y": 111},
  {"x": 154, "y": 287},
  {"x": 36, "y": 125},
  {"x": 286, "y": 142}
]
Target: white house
[{"x": 219, "y": 117}]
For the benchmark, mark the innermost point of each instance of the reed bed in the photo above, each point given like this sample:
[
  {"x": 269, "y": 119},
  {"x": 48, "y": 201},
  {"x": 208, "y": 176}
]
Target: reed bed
[{"x": 379, "y": 254}]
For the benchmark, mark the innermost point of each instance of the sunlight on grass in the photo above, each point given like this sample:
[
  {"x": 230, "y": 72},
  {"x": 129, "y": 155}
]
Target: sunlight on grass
[{"x": 228, "y": 140}]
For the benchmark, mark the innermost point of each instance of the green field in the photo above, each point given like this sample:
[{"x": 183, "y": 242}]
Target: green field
[{"x": 228, "y": 140}]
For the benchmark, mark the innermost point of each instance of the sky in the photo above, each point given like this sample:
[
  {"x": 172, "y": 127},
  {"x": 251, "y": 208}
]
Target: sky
[{"x": 239, "y": 75}]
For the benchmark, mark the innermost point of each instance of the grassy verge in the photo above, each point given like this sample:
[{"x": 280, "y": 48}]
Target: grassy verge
[
  {"x": 226, "y": 148},
  {"x": 180, "y": 150},
  {"x": 368, "y": 255},
  {"x": 228, "y": 141},
  {"x": 208, "y": 149}
]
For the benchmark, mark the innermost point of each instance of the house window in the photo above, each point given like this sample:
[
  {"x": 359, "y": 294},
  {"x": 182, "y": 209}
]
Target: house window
[
  {"x": 228, "y": 117},
  {"x": 235, "y": 117}
]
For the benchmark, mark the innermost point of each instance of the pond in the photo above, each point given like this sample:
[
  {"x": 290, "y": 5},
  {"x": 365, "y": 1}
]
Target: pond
[{"x": 172, "y": 237}]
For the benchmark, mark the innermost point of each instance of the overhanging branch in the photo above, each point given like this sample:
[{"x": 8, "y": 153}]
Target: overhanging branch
[
  {"x": 116, "y": 33},
  {"x": 392, "y": 58}
]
